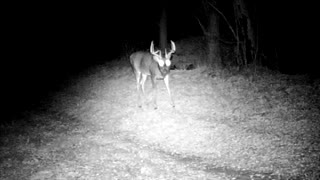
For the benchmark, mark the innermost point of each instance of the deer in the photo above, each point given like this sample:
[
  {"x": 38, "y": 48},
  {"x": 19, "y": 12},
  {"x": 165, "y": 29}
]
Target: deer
[{"x": 156, "y": 66}]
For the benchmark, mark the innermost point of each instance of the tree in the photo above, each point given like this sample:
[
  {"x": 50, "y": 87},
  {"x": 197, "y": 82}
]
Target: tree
[
  {"x": 247, "y": 42},
  {"x": 243, "y": 31},
  {"x": 163, "y": 30},
  {"x": 212, "y": 35}
]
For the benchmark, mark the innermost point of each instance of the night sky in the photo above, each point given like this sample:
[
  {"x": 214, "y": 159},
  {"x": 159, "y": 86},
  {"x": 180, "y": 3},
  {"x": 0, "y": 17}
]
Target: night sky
[{"x": 46, "y": 42}]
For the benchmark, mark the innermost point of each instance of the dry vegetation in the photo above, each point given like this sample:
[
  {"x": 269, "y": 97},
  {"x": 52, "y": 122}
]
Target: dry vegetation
[{"x": 260, "y": 125}]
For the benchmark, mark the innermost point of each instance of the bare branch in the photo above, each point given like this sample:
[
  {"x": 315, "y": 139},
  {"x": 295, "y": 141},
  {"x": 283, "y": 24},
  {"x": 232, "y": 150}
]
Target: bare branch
[
  {"x": 224, "y": 17},
  {"x": 202, "y": 27}
]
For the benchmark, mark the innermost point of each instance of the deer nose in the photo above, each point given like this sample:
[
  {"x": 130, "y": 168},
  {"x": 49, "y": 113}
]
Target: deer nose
[{"x": 164, "y": 70}]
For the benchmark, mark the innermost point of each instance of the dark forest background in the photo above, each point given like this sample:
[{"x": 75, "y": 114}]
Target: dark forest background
[{"x": 47, "y": 42}]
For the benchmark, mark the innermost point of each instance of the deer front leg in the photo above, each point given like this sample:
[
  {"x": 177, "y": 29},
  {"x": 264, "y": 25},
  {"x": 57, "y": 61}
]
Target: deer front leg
[
  {"x": 166, "y": 81},
  {"x": 154, "y": 91}
]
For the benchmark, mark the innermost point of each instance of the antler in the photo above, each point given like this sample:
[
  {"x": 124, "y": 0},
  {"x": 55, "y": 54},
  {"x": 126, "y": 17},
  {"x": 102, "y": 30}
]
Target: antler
[
  {"x": 173, "y": 49},
  {"x": 152, "y": 50}
]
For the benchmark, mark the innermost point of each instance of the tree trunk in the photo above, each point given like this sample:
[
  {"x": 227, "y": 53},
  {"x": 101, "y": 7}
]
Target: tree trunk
[
  {"x": 213, "y": 41},
  {"x": 247, "y": 46},
  {"x": 163, "y": 30}
]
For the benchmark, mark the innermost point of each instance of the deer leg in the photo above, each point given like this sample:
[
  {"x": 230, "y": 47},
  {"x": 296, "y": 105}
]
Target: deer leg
[
  {"x": 155, "y": 91},
  {"x": 166, "y": 81},
  {"x": 138, "y": 78},
  {"x": 142, "y": 81}
]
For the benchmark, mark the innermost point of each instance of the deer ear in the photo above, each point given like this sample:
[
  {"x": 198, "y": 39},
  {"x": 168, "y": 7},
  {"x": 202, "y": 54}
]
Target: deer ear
[{"x": 156, "y": 58}]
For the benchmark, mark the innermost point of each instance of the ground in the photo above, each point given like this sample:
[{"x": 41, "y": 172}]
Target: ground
[{"x": 248, "y": 125}]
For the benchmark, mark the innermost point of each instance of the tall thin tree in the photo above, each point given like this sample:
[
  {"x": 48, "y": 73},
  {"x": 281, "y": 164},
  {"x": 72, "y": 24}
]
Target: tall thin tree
[
  {"x": 247, "y": 44},
  {"x": 212, "y": 35},
  {"x": 163, "y": 29}
]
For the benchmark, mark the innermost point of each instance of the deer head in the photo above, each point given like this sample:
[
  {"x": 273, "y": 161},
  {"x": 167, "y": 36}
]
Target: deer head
[{"x": 163, "y": 62}]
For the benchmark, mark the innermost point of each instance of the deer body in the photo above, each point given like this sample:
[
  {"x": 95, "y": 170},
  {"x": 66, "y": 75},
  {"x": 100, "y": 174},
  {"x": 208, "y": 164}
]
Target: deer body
[
  {"x": 152, "y": 64},
  {"x": 144, "y": 64}
]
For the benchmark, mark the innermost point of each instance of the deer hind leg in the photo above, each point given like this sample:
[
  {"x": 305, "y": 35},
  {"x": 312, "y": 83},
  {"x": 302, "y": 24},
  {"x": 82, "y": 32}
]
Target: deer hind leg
[
  {"x": 143, "y": 80},
  {"x": 166, "y": 81},
  {"x": 140, "y": 84},
  {"x": 138, "y": 78},
  {"x": 140, "y": 88}
]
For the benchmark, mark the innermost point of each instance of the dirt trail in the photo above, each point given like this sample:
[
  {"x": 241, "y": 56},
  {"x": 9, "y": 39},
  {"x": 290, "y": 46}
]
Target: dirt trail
[
  {"x": 109, "y": 146},
  {"x": 216, "y": 131}
]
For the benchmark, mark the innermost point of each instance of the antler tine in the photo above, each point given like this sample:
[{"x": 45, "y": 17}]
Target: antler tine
[
  {"x": 152, "y": 49},
  {"x": 173, "y": 49}
]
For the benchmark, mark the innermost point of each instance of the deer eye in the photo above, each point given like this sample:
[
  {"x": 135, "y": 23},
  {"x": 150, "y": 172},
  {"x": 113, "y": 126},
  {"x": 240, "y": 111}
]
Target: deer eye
[
  {"x": 161, "y": 63},
  {"x": 168, "y": 62}
]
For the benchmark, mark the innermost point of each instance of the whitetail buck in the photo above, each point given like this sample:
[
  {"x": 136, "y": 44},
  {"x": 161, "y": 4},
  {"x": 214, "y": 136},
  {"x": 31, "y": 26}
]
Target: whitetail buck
[{"x": 156, "y": 66}]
